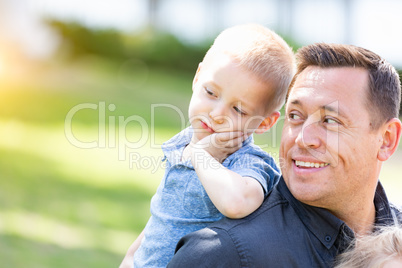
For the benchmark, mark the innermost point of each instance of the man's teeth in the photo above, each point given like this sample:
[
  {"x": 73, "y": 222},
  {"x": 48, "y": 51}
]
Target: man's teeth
[{"x": 310, "y": 164}]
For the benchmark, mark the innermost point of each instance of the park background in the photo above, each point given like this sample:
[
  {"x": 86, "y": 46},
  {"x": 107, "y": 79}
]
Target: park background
[{"x": 89, "y": 90}]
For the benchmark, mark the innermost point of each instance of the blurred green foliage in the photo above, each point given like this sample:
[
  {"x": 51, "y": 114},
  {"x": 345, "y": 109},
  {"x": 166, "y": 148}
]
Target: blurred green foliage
[{"x": 153, "y": 47}]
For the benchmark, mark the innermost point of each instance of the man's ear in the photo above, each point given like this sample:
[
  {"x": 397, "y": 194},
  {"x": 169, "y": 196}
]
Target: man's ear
[
  {"x": 390, "y": 140},
  {"x": 197, "y": 73},
  {"x": 268, "y": 122}
]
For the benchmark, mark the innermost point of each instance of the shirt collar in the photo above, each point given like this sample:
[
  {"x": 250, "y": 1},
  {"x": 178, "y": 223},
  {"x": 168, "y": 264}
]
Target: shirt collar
[
  {"x": 173, "y": 148},
  {"x": 383, "y": 210},
  {"x": 324, "y": 225}
]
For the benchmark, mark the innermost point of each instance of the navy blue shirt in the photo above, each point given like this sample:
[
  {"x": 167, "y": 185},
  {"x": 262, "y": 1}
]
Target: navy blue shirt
[{"x": 283, "y": 232}]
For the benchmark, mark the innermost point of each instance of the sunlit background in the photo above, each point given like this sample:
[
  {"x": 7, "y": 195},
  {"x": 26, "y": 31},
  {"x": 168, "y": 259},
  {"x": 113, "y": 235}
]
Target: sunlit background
[{"x": 89, "y": 90}]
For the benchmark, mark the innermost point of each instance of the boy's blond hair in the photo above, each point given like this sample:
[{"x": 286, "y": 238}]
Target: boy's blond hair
[
  {"x": 262, "y": 52},
  {"x": 374, "y": 250}
]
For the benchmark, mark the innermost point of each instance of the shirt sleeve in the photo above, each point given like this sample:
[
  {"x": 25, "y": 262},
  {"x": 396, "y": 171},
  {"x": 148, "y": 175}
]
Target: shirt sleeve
[
  {"x": 206, "y": 248},
  {"x": 263, "y": 169}
]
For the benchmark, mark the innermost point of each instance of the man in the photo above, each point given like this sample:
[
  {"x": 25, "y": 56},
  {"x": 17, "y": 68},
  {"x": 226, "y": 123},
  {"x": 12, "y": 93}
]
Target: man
[{"x": 341, "y": 124}]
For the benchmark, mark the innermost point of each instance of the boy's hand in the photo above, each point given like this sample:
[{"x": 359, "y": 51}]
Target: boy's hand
[{"x": 221, "y": 145}]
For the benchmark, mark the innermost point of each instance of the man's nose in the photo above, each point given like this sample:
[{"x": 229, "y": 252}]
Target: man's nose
[{"x": 309, "y": 136}]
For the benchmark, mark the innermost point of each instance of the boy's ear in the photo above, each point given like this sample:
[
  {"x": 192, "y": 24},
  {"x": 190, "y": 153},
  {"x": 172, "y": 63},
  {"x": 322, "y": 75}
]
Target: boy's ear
[
  {"x": 268, "y": 122},
  {"x": 197, "y": 73},
  {"x": 390, "y": 139}
]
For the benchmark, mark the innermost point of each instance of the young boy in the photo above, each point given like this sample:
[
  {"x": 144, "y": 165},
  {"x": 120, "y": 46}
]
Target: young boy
[{"x": 213, "y": 168}]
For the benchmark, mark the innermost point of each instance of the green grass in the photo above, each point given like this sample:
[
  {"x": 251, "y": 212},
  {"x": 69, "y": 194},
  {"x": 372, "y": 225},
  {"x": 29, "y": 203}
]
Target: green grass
[{"x": 65, "y": 206}]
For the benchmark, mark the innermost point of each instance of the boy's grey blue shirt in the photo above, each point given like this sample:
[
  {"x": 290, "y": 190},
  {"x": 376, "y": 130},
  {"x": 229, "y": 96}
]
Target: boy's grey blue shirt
[{"x": 181, "y": 205}]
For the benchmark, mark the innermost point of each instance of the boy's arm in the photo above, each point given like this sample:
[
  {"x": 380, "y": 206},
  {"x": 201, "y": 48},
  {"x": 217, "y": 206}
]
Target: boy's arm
[
  {"x": 233, "y": 195},
  {"x": 129, "y": 258}
]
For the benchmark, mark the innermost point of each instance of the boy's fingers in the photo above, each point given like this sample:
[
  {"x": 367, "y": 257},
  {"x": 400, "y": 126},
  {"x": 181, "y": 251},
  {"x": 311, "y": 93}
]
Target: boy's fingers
[
  {"x": 225, "y": 136},
  {"x": 235, "y": 142}
]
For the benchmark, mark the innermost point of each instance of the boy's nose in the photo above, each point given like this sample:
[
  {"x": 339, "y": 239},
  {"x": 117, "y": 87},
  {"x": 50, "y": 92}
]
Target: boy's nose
[
  {"x": 216, "y": 118},
  {"x": 217, "y": 114}
]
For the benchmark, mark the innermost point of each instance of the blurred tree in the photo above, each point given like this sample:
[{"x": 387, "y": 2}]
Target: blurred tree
[
  {"x": 150, "y": 46},
  {"x": 153, "y": 6},
  {"x": 78, "y": 40}
]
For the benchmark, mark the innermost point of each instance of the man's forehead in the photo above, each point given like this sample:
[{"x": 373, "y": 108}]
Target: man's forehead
[
  {"x": 330, "y": 89},
  {"x": 311, "y": 73},
  {"x": 341, "y": 75},
  {"x": 332, "y": 78}
]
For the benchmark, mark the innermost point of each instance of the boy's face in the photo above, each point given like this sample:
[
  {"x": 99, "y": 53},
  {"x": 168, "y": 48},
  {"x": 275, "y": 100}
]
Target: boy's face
[{"x": 226, "y": 98}]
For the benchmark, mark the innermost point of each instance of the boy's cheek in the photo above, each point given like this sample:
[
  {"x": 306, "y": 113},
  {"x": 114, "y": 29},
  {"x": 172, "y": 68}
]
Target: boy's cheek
[{"x": 249, "y": 128}]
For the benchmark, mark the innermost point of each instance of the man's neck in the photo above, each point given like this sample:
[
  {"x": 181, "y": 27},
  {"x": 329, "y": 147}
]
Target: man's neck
[{"x": 360, "y": 220}]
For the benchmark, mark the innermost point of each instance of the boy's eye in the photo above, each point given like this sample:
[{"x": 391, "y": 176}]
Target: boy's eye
[
  {"x": 239, "y": 111},
  {"x": 209, "y": 92}
]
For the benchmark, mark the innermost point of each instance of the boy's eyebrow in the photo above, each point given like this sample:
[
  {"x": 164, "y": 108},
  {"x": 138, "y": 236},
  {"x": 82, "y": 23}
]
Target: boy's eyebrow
[{"x": 212, "y": 83}]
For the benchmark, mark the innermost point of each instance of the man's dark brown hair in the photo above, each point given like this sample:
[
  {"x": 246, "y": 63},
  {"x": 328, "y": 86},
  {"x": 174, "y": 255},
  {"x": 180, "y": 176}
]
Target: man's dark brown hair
[{"x": 384, "y": 89}]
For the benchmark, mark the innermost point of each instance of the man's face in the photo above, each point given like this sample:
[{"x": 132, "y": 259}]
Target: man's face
[{"x": 328, "y": 151}]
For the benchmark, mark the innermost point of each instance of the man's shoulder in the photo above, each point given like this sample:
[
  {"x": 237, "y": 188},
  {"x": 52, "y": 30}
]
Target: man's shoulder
[
  {"x": 276, "y": 227},
  {"x": 270, "y": 208},
  {"x": 234, "y": 239}
]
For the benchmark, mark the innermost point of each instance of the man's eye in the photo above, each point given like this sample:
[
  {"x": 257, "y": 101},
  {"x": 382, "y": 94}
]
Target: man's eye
[
  {"x": 330, "y": 120},
  {"x": 239, "y": 111},
  {"x": 294, "y": 116}
]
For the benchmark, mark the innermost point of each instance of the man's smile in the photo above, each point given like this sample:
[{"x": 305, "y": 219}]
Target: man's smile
[{"x": 308, "y": 164}]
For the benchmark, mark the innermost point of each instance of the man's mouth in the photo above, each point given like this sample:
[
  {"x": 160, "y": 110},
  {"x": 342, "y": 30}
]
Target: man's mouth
[
  {"x": 206, "y": 127},
  {"x": 310, "y": 164}
]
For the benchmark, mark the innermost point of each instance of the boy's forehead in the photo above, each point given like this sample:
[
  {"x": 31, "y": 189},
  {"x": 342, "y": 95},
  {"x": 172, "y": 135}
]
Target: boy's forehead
[
  {"x": 222, "y": 60},
  {"x": 225, "y": 73},
  {"x": 217, "y": 58}
]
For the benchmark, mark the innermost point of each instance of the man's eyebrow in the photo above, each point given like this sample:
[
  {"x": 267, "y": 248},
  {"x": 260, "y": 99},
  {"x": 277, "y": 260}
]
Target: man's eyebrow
[
  {"x": 333, "y": 109},
  {"x": 295, "y": 102},
  {"x": 330, "y": 108}
]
